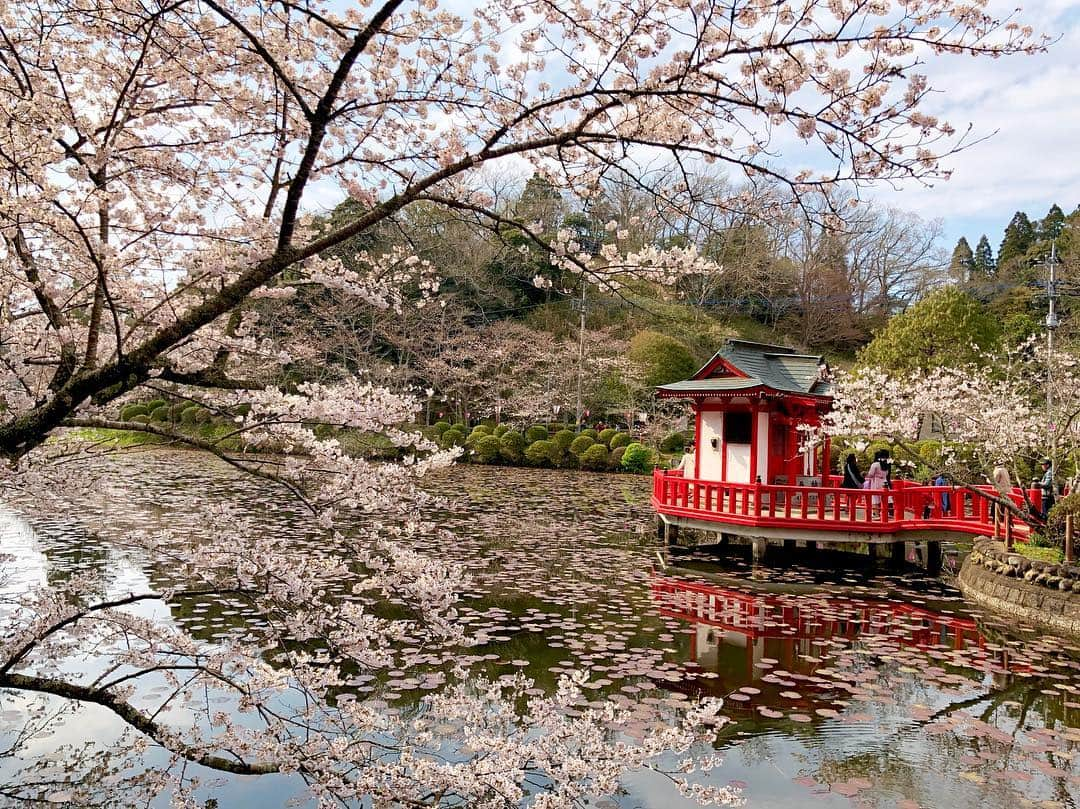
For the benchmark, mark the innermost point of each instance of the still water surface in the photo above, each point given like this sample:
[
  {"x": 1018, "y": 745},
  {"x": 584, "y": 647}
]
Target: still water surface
[{"x": 847, "y": 689}]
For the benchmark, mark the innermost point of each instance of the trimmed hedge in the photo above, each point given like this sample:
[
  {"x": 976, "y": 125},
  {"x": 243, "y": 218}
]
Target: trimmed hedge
[
  {"x": 540, "y": 453},
  {"x": 594, "y": 458},
  {"x": 487, "y": 449},
  {"x": 673, "y": 442},
  {"x": 580, "y": 444},
  {"x": 512, "y": 446},
  {"x": 564, "y": 438},
  {"x": 501, "y": 430},
  {"x": 590, "y": 432},
  {"x": 615, "y": 458},
  {"x": 606, "y": 435},
  {"x": 536, "y": 433},
  {"x": 441, "y": 427},
  {"x": 620, "y": 440},
  {"x": 129, "y": 412},
  {"x": 637, "y": 458}
]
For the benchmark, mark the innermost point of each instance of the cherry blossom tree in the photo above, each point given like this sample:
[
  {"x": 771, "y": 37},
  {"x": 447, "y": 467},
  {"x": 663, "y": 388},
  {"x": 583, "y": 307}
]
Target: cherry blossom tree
[
  {"x": 162, "y": 165},
  {"x": 1015, "y": 409}
]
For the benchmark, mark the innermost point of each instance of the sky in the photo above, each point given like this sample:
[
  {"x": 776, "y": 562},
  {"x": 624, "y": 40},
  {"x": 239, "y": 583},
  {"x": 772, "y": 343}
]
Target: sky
[{"x": 1028, "y": 108}]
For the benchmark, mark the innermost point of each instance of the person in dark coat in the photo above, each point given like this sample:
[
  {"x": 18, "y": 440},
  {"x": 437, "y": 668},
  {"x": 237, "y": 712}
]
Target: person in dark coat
[{"x": 853, "y": 478}]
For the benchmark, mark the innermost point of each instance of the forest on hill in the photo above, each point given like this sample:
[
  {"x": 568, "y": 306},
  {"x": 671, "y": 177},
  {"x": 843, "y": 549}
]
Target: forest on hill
[{"x": 508, "y": 332}]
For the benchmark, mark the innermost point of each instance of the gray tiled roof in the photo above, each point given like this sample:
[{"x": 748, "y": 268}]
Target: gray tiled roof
[{"x": 777, "y": 367}]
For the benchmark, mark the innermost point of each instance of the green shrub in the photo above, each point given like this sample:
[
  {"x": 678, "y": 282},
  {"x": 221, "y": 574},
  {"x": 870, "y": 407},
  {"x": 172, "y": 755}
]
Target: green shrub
[
  {"x": 441, "y": 427},
  {"x": 487, "y": 449},
  {"x": 594, "y": 458},
  {"x": 564, "y": 438},
  {"x": 141, "y": 418},
  {"x": 637, "y": 458},
  {"x": 580, "y": 444},
  {"x": 189, "y": 414},
  {"x": 501, "y": 430},
  {"x": 160, "y": 413},
  {"x": 620, "y": 440},
  {"x": 589, "y": 432},
  {"x": 482, "y": 429},
  {"x": 536, "y": 433},
  {"x": 606, "y": 436},
  {"x": 176, "y": 411},
  {"x": 539, "y": 453},
  {"x": 452, "y": 438},
  {"x": 1055, "y": 520},
  {"x": 673, "y": 442},
  {"x": 615, "y": 458},
  {"x": 512, "y": 446},
  {"x": 154, "y": 404},
  {"x": 203, "y": 416},
  {"x": 128, "y": 412}
]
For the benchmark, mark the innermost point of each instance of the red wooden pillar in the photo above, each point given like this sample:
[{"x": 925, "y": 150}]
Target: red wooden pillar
[{"x": 753, "y": 443}]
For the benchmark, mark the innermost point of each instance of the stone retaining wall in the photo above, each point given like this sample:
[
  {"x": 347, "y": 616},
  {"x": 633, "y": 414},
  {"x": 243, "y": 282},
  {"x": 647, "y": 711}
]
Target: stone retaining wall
[{"x": 1038, "y": 593}]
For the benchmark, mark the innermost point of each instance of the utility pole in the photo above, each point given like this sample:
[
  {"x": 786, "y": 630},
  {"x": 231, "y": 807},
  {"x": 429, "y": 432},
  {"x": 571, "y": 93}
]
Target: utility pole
[
  {"x": 1051, "y": 324},
  {"x": 581, "y": 352}
]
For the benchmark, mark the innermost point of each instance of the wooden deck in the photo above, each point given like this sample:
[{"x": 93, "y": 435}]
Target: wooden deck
[{"x": 907, "y": 512}]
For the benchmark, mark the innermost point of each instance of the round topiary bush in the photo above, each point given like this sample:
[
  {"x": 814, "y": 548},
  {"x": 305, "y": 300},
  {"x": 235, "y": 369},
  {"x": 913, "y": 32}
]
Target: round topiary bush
[
  {"x": 564, "y": 438},
  {"x": 605, "y": 435},
  {"x": 539, "y": 453},
  {"x": 176, "y": 411},
  {"x": 441, "y": 427},
  {"x": 160, "y": 413},
  {"x": 128, "y": 412},
  {"x": 203, "y": 416},
  {"x": 580, "y": 444},
  {"x": 673, "y": 442},
  {"x": 452, "y": 438},
  {"x": 482, "y": 429},
  {"x": 487, "y": 449},
  {"x": 637, "y": 458},
  {"x": 594, "y": 458},
  {"x": 154, "y": 404},
  {"x": 501, "y": 430},
  {"x": 189, "y": 414},
  {"x": 615, "y": 458},
  {"x": 590, "y": 432},
  {"x": 536, "y": 433},
  {"x": 141, "y": 418},
  {"x": 620, "y": 440},
  {"x": 512, "y": 446}
]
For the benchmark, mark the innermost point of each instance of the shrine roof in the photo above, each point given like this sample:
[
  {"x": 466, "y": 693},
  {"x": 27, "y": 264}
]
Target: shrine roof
[{"x": 743, "y": 364}]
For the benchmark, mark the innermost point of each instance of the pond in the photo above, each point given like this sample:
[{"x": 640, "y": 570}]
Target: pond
[{"x": 856, "y": 688}]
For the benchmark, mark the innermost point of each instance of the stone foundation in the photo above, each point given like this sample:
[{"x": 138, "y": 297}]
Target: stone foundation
[{"x": 1039, "y": 593}]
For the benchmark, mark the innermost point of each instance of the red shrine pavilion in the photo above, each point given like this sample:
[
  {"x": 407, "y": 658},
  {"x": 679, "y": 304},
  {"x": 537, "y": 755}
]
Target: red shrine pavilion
[
  {"x": 756, "y": 475},
  {"x": 749, "y": 402}
]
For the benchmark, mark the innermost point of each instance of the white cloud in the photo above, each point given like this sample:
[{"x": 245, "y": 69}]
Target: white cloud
[{"x": 1028, "y": 108}]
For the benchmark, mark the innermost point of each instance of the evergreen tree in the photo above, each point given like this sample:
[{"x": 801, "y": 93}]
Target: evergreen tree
[
  {"x": 962, "y": 266},
  {"x": 1052, "y": 224},
  {"x": 1019, "y": 236},
  {"x": 983, "y": 265}
]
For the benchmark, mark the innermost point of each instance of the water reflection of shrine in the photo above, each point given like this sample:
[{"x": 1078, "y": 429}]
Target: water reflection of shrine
[{"x": 734, "y": 630}]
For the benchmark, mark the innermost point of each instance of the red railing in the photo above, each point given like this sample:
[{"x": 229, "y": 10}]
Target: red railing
[{"x": 904, "y": 507}]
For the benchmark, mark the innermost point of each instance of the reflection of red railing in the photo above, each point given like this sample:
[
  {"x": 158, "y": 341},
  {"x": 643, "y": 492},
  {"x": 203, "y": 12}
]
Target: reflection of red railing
[
  {"x": 904, "y": 507},
  {"x": 773, "y": 616}
]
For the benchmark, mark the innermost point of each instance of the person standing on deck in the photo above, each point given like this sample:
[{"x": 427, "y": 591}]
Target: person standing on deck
[
  {"x": 686, "y": 465},
  {"x": 941, "y": 480},
  {"x": 877, "y": 476},
  {"x": 853, "y": 478},
  {"x": 1002, "y": 483},
  {"x": 1046, "y": 483}
]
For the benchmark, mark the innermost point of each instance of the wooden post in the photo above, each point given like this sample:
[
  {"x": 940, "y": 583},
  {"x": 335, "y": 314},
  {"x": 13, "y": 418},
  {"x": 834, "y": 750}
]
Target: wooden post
[
  {"x": 933, "y": 558},
  {"x": 1068, "y": 537},
  {"x": 899, "y": 555},
  {"x": 1008, "y": 531},
  {"x": 759, "y": 545}
]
